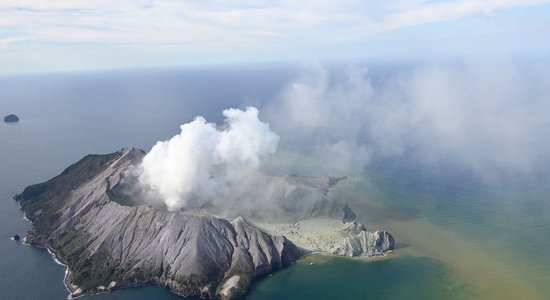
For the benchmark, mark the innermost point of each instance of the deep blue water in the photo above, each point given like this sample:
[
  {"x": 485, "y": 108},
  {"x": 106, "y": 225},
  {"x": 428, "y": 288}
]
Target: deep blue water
[{"x": 66, "y": 116}]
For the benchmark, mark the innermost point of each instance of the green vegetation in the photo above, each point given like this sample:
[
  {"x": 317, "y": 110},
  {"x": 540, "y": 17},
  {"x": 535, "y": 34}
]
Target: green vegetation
[
  {"x": 42, "y": 203},
  {"x": 45, "y": 199}
]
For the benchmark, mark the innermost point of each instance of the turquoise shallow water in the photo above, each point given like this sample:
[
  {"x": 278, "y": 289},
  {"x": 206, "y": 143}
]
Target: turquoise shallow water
[
  {"x": 465, "y": 237},
  {"x": 456, "y": 233},
  {"x": 338, "y": 278},
  {"x": 505, "y": 221}
]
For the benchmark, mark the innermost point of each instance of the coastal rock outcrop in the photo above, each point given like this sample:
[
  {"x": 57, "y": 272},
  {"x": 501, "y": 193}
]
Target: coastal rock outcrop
[
  {"x": 360, "y": 242},
  {"x": 331, "y": 236}
]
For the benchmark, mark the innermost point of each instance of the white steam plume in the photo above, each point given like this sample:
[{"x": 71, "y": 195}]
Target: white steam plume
[{"x": 194, "y": 167}]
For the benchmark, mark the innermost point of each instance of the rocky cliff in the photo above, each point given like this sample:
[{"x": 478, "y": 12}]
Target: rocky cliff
[
  {"x": 108, "y": 243},
  {"x": 355, "y": 240}
]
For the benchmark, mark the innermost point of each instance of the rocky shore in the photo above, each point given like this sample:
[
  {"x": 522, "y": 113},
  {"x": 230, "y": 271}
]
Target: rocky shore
[{"x": 108, "y": 245}]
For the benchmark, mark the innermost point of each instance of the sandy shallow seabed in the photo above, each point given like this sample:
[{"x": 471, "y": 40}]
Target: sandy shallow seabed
[
  {"x": 491, "y": 276},
  {"x": 310, "y": 234}
]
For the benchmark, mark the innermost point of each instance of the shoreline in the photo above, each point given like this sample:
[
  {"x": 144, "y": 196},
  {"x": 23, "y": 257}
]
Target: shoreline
[
  {"x": 307, "y": 254},
  {"x": 67, "y": 273},
  {"x": 311, "y": 236},
  {"x": 57, "y": 261}
]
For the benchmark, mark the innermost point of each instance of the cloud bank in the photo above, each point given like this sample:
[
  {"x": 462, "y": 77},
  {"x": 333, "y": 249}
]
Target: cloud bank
[
  {"x": 487, "y": 117},
  {"x": 171, "y": 22},
  {"x": 38, "y": 36},
  {"x": 195, "y": 166}
]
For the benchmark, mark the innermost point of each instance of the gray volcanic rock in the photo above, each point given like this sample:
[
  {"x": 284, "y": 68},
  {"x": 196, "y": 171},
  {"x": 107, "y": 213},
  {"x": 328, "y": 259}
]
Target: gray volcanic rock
[
  {"x": 349, "y": 214},
  {"x": 107, "y": 245},
  {"x": 110, "y": 237},
  {"x": 276, "y": 198},
  {"x": 321, "y": 183},
  {"x": 360, "y": 242},
  {"x": 332, "y": 237},
  {"x": 11, "y": 118}
]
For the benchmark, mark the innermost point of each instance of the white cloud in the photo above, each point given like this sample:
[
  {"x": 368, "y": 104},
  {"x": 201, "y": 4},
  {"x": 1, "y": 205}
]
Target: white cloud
[
  {"x": 486, "y": 117},
  {"x": 424, "y": 12},
  {"x": 169, "y": 22},
  {"x": 220, "y": 29}
]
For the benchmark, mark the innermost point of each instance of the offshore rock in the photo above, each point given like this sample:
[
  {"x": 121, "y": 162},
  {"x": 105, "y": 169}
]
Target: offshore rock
[{"x": 11, "y": 118}]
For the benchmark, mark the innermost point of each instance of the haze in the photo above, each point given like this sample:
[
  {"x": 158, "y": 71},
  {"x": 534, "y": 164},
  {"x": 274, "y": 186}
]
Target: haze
[{"x": 44, "y": 36}]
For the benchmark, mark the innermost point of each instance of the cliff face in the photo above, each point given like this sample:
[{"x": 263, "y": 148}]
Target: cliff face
[
  {"x": 331, "y": 236},
  {"x": 360, "y": 242},
  {"x": 107, "y": 245}
]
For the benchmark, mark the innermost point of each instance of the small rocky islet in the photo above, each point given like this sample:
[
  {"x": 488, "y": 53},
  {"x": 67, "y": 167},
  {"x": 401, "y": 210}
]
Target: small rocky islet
[{"x": 11, "y": 118}]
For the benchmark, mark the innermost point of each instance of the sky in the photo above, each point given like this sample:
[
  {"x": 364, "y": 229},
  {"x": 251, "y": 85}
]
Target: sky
[{"x": 77, "y": 35}]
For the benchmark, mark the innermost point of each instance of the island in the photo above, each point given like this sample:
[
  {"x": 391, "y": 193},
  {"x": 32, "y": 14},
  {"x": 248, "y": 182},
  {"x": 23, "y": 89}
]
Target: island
[
  {"x": 11, "y": 118},
  {"x": 107, "y": 242}
]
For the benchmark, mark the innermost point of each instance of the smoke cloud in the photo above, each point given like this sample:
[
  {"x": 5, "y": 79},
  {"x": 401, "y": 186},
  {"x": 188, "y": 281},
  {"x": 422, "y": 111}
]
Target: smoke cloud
[
  {"x": 195, "y": 167},
  {"x": 490, "y": 118},
  {"x": 487, "y": 118}
]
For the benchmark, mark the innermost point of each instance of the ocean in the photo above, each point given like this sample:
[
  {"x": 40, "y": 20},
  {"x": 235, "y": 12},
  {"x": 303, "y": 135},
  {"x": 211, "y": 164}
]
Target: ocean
[{"x": 457, "y": 238}]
